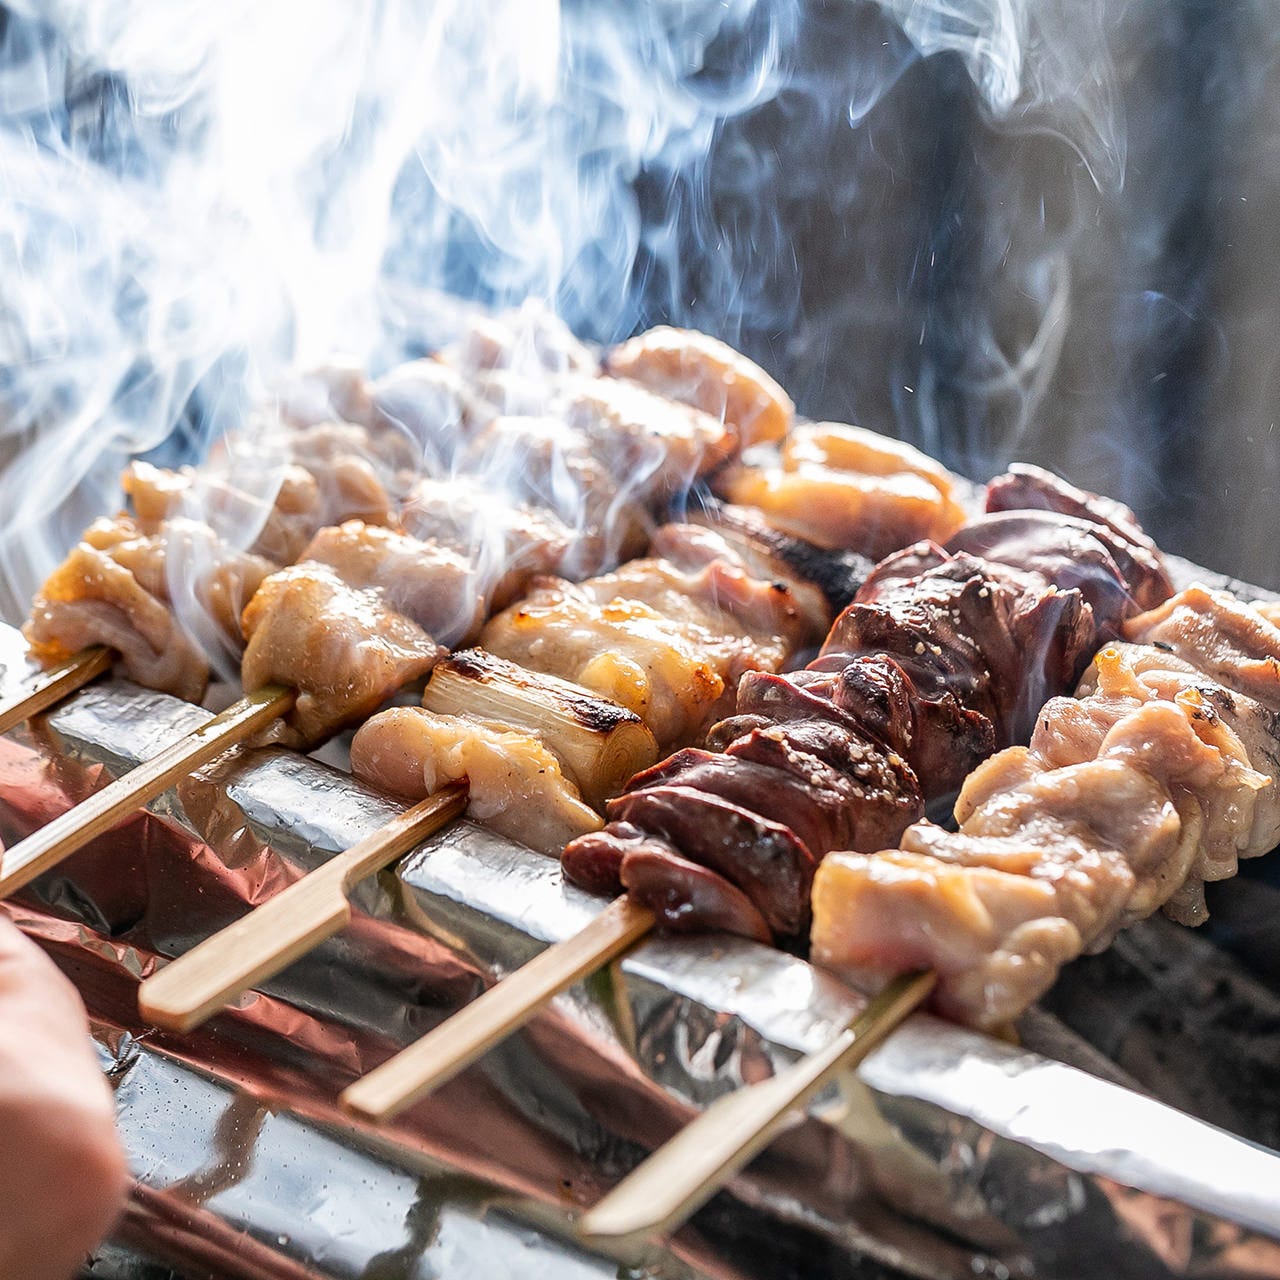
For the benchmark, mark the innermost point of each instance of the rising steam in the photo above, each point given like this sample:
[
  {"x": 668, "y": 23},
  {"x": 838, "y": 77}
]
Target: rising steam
[{"x": 198, "y": 198}]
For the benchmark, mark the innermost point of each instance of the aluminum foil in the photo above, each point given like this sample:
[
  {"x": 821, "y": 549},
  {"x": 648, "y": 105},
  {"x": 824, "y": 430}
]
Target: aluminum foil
[{"x": 949, "y": 1154}]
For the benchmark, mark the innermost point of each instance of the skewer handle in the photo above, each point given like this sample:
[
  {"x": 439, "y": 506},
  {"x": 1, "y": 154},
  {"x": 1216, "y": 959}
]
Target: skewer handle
[
  {"x": 492, "y": 1016},
  {"x": 65, "y": 834},
  {"x": 684, "y": 1173},
  {"x": 53, "y": 685},
  {"x": 272, "y": 936}
]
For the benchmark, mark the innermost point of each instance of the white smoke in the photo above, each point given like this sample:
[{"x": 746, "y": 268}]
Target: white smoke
[{"x": 196, "y": 198}]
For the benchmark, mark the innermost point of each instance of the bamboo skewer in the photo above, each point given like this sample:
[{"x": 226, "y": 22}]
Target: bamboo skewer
[
  {"x": 494, "y": 1015},
  {"x": 272, "y": 936},
  {"x": 65, "y": 834},
  {"x": 682, "y": 1175},
  {"x": 53, "y": 685}
]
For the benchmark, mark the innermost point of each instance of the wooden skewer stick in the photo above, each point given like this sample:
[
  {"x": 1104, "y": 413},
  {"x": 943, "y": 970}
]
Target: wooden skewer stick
[
  {"x": 53, "y": 685},
  {"x": 682, "y": 1175},
  {"x": 272, "y": 936},
  {"x": 492, "y": 1016},
  {"x": 102, "y": 810}
]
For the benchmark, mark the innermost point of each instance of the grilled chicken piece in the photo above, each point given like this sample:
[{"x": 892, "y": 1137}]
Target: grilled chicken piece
[
  {"x": 1155, "y": 779},
  {"x": 321, "y": 444},
  {"x": 652, "y": 446},
  {"x": 653, "y": 638},
  {"x": 517, "y": 786},
  {"x": 304, "y": 505},
  {"x": 625, "y": 650},
  {"x": 1231, "y": 642},
  {"x": 506, "y": 543},
  {"x": 331, "y": 480},
  {"x": 187, "y": 555},
  {"x": 769, "y": 553},
  {"x": 546, "y": 464},
  {"x": 426, "y": 582},
  {"x": 530, "y": 340},
  {"x": 337, "y": 391},
  {"x": 790, "y": 599},
  {"x": 844, "y": 487},
  {"x": 344, "y": 649},
  {"x": 93, "y": 599},
  {"x": 116, "y": 589},
  {"x": 426, "y": 407},
  {"x": 709, "y": 375}
]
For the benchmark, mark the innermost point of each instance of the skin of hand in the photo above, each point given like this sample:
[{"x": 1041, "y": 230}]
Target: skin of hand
[{"x": 62, "y": 1172}]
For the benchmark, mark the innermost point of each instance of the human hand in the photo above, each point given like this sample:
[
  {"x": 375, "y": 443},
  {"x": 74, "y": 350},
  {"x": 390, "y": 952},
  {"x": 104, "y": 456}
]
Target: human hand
[{"x": 62, "y": 1173}]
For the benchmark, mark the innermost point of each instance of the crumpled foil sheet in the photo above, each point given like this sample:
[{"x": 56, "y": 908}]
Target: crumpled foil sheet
[{"x": 948, "y": 1154}]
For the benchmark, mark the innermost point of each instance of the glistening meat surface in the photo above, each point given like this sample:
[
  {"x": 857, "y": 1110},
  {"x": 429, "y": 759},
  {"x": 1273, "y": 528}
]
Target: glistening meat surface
[
  {"x": 624, "y": 660},
  {"x": 842, "y": 486},
  {"x": 344, "y": 649},
  {"x": 1157, "y": 778},
  {"x": 516, "y": 785},
  {"x": 942, "y": 657}
]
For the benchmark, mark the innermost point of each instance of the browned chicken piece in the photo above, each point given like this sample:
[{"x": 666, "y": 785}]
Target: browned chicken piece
[
  {"x": 423, "y": 406},
  {"x": 1230, "y": 641},
  {"x": 517, "y": 786},
  {"x": 845, "y": 487},
  {"x": 188, "y": 555},
  {"x": 625, "y": 650},
  {"x": 87, "y": 600},
  {"x": 529, "y": 340},
  {"x": 425, "y": 581},
  {"x": 347, "y": 488},
  {"x": 372, "y": 455},
  {"x": 1155, "y": 779},
  {"x": 506, "y": 543},
  {"x": 156, "y": 493},
  {"x": 791, "y": 600},
  {"x": 503, "y": 393},
  {"x": 339, "y": 390},
  {"x": 668, "y": 644},
  {"x": 650, "y": 445},
  {"x": 298, "y": 511},
  {"x": 344, "y": 649},
  {"x": 547, "y": 464},
  {"x": 91, "y": 598},
  {"x": 710, "y": 375}
]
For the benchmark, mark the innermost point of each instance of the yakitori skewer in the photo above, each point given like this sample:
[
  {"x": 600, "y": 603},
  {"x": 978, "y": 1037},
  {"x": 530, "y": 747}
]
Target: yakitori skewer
[
  {"x": 1156, "y": 777},
  {"x": 976, "y": 616},
  {"x": 65, "y": 834},
  {"x": 272, "y": 936},
  {"x": 51, "y": 686},
  {"x": 541, "y": 721},
  {"x": 656, "y": 1197}
]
